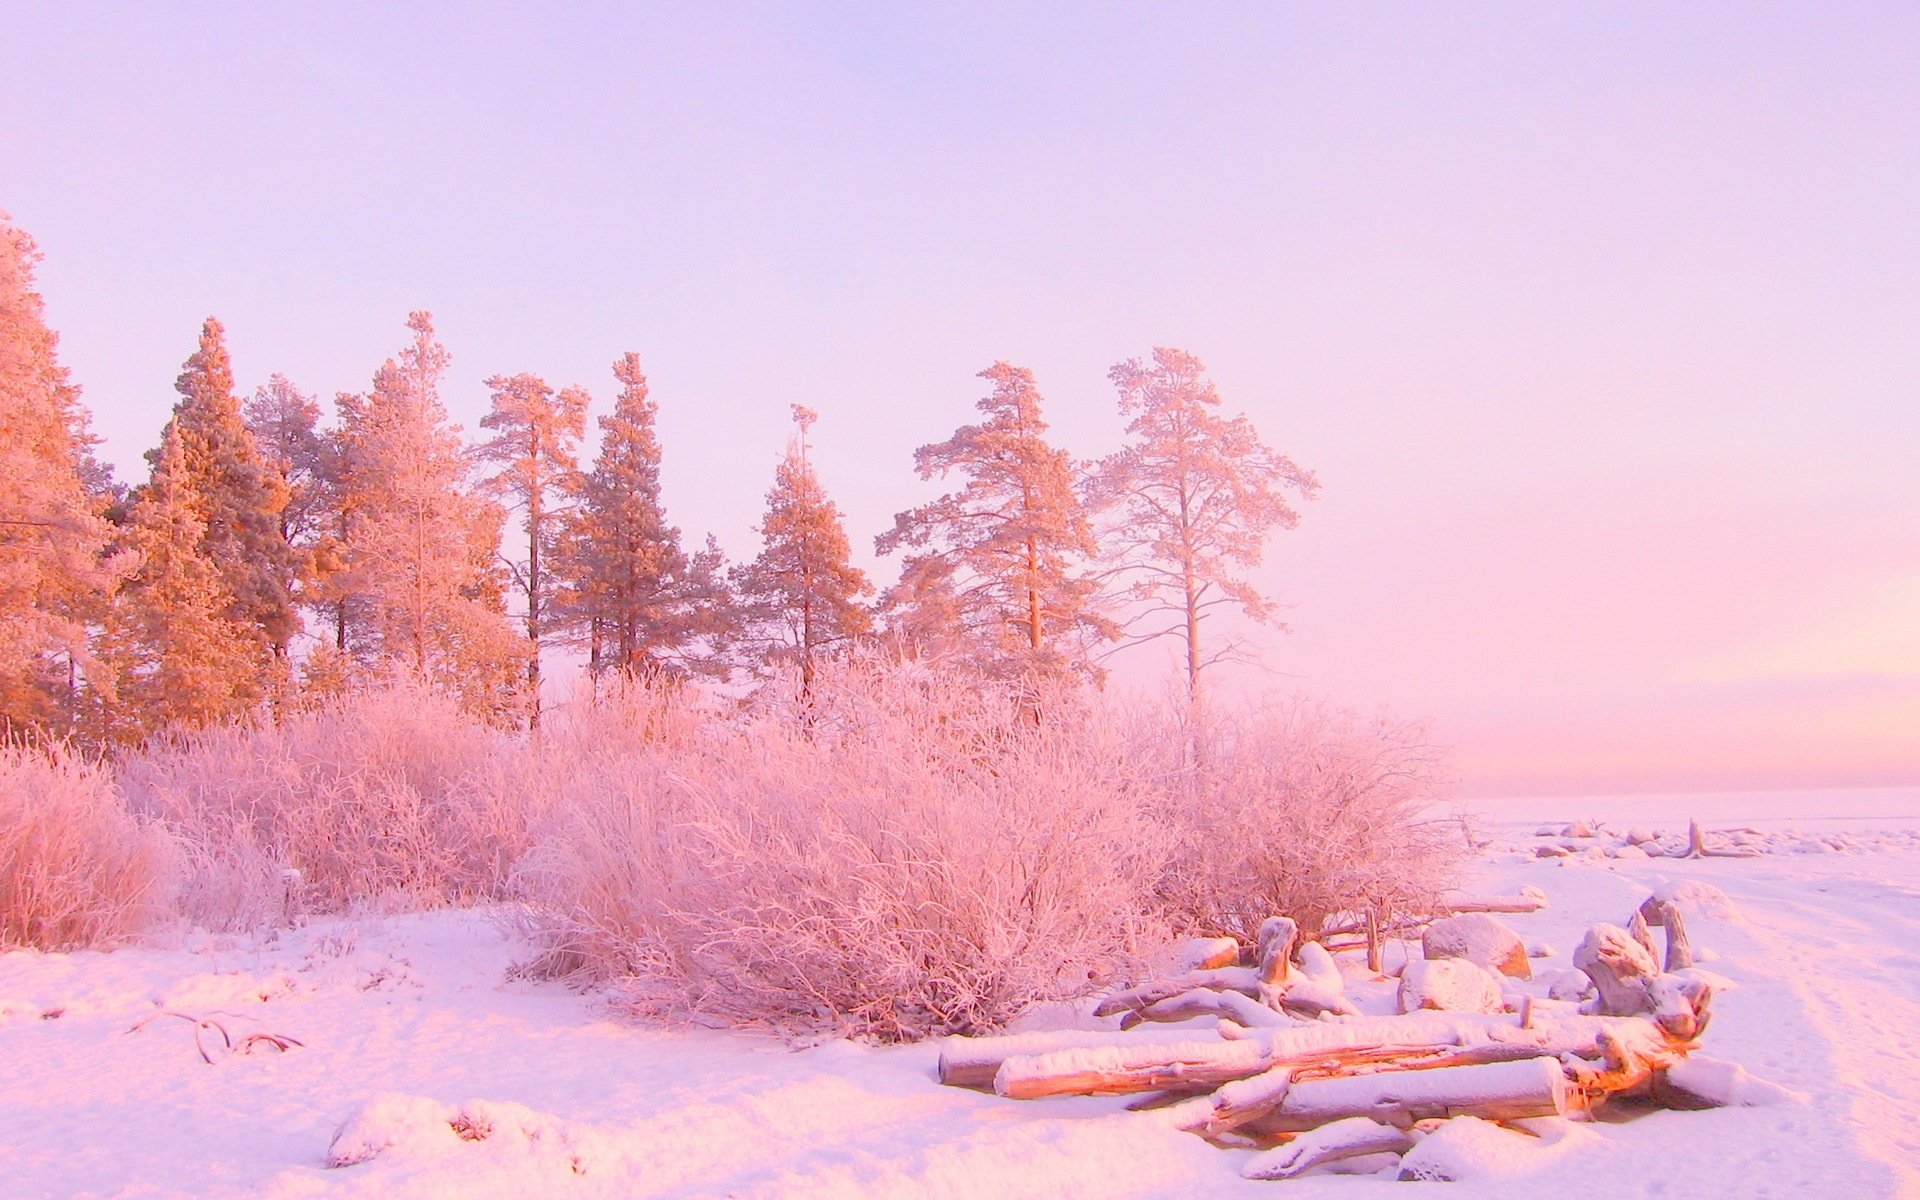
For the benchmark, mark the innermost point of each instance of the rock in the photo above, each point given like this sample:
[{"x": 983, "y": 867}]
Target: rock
[
  {"x": 1481, "y": 939},
  {"x": 1695, "y": 898},
  {"x": 1449, "y": 985},
  {"x": 1628, "y": 851},
  {"x": 1569, "y": 985},
  {"x": 1640, "y": 835},
  {"x": 1551, "y": 850}
]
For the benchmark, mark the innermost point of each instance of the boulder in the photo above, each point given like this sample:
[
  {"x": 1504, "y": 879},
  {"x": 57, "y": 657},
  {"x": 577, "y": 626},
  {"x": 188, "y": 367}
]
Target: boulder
[
  {"x": 1481, "y": 939},
  {"x": 1449, "y": 985}
]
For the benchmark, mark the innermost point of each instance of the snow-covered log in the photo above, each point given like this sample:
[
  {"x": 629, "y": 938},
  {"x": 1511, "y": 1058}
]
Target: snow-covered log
[
  {"x": 1118, "y": 1069},
  {"x": 974, "y": 1061},
  {"x": 1349, "y": 1138},
  {"x": 1204, "y": 1002},
  {"x": 1530, "y": 1087}
]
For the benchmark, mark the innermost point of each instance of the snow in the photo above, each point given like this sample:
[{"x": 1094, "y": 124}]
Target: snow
[{"x": 425, "y": 1060}]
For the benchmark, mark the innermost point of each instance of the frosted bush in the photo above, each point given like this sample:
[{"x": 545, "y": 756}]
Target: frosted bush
[
  {"x": 1301, "y": 808},
  {"x": 76, "y": 869},
  {"x": 387, "y": 797},
  {"x": 900, "y": 854}
]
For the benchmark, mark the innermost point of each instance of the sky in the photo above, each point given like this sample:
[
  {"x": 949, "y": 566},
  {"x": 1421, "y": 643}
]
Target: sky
[{"x": 1599, "y": 324}]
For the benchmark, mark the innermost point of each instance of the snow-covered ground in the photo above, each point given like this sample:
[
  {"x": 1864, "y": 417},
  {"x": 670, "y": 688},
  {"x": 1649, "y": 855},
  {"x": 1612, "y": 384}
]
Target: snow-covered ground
[{"x": 412, "y": 1033}]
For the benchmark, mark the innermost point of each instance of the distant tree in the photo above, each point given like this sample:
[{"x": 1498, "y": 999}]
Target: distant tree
[
  {"x": 286, "y": 425},
  {"x": 803, "y": 593},
  {"x": 181, "y": 652},
  {"x": 55, "y": 574},
  {"x": 421, "y": 549},
  {"x": 243, "y": 499},
  {"x": 993, "y": 569},
  {"x": 1190, "y": 503},
  {"x": 536, "y": 436},
  {"x": 643, "y": 604}
]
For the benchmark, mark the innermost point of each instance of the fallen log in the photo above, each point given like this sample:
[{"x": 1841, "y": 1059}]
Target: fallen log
[
  {"x": 1112, "y": 1070},
  {"x": 1202, "y": 1002},
  {"x": 1244, "y": 980},
  {"x": 1531, "y": 1087},
  {"x": 973, "y": 1061},
  {"x": 1333, "y": 1142}
]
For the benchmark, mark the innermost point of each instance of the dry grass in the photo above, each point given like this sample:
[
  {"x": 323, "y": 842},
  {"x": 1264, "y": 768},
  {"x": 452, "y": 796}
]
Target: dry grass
[{"x": 76, "y": 869}]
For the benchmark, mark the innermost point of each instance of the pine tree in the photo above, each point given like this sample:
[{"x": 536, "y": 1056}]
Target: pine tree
[
  {"x": 180, "y": 654},
  {"x": 1191, "y": 503},
  {"x": 240, "y": 498},
  {"x": 642, "y": 602},
  {"x": 993, "y": 574},
  {"x": 802, "y": 594},
  {"x": 534, "y": 446},
  {"x": 421, "y": 551},
  {"x": 55, "y": 574}
]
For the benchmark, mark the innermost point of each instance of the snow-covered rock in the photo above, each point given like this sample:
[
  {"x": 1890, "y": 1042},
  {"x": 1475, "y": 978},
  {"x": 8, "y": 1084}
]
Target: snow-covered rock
[
  {"x": 1449, "y": 985},
  {"x": 1481, "y": 939}
]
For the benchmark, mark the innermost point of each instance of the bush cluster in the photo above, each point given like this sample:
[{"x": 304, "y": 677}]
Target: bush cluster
[{"x": 892, "y": 851}]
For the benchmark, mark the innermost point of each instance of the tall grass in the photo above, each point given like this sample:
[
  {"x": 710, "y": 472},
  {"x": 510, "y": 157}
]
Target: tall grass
[{"x": 76, "y": 869}]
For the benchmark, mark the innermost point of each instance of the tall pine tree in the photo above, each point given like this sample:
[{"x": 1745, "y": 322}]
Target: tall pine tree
[
  {"x": 55, "y": 575},
  {"x": 535, "y": 438},
  {"x": 802, "y": 595},
  {"x": 993, "y": 572},
  {"x": 180, "y": 653},
  {"x": 1190, "y": 501},
  {"x": 241, "y": 499},
  {"x": 644, "y": 605}
]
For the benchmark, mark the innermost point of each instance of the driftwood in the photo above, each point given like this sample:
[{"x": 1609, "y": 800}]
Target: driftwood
[
  {"x": 1309, "y": 1093},
  {"x": 1699, "y": 847},
  {"x": 1350, "y": 1138}
]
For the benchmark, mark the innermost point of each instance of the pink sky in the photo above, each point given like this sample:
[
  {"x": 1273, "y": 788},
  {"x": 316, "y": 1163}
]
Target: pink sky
[{"x": 1598, "y": 324}]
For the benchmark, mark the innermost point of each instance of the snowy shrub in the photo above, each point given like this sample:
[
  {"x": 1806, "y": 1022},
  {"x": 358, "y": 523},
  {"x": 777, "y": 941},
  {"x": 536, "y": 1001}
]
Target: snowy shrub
[
  {"x": 1300, "y": 808},
  {"x": 385, "y": 797},
  {"x": 76, "y": 869},
  {"x": 901, "y": 854}
]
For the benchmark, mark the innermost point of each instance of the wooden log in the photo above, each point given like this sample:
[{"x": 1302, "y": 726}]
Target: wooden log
[
  {"x": 1529, "y": 899},
  {"x": 1375, "y": 948},
  {"x": 1244, "y": 1100},
  {"x": 1333, "y": 1142},
  {"x": 1204, "y": 1002},
  {"x": 1531, "y": 1087},
  {"x": 1119, "y": 1069},
  {"x": 1244, "y": 980},
  {"x": 973, "y": 1062}
]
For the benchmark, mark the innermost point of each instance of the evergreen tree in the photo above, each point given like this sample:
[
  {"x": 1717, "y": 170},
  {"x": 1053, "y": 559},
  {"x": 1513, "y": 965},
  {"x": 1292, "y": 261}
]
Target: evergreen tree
[
  {"x": 802, "y": 594},
  {"x": 534, "y": 447},
  {"x": 1192, "y": 501},
  {"x": 179, "y": 653},
  {"x": 992, "y": 574},
  {"x": 421, "y": 551},
  {"x": 55, "y": 574},
  {"x": 643, "y": 603},
  {"x": 285, "y": 423},
  {"x": 240, "y": 499}
]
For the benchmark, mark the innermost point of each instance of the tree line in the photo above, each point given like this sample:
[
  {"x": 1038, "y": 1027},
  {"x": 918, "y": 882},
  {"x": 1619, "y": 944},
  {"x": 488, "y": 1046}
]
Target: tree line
[{"x": 272, "y": 555}]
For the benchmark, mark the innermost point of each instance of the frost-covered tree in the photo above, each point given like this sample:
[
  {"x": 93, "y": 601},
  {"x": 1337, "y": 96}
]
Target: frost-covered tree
[
  {"x": 181, "y": 652},
  {"x": 533, "y": 448},
  {"x": 643, "y": 604},
  {"x": 242, "y": 499},
  {"x": 993, "y": 569},
  {"x": 420, "y": 548},
  {"x": 1190, "y": 502},
  {"x": 803, "y": 593},
  {"x": 55, "y": 574}
]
